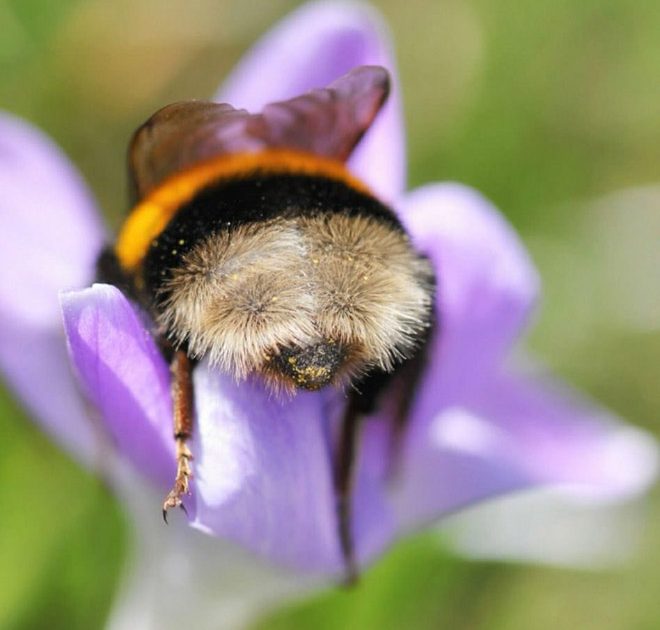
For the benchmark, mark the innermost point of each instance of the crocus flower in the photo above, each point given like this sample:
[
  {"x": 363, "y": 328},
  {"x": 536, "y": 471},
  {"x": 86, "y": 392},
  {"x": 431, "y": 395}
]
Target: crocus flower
[{"x": 478, "y": 427}]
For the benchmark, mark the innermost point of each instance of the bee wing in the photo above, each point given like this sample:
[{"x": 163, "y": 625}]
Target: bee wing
[
  {"x": 180, "y": 135},
  {"x": 327, "y": 122}
]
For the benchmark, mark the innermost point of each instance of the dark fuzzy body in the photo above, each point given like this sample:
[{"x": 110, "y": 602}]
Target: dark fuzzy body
[{"x": 301, "y": 278}]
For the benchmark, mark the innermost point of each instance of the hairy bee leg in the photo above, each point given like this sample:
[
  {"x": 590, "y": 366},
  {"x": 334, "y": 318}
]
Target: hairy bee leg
[
  {"x": 343, "y": 488},
  {"x": 182, "y": 397}
]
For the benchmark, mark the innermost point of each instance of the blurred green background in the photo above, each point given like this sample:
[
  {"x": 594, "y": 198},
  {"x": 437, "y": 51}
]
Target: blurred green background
[{"x": 550, "y": 107}]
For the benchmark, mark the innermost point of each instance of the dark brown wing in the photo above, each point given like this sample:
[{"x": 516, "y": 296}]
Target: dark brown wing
[{"x": 327, "y": 122}]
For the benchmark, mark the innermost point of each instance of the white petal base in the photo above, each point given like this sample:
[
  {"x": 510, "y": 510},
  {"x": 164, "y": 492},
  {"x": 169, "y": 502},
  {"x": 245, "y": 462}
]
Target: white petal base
[
  {"x": 178, "y": 577},
  {"x": 552, "y": 527}
]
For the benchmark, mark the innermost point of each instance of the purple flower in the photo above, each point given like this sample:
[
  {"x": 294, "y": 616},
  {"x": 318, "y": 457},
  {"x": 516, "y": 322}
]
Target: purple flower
[{"x": 263, "y": 468}]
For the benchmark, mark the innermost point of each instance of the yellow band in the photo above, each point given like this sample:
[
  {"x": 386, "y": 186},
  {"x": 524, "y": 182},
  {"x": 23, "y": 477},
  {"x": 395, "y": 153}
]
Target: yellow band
[{"x": 150, "y": 217}]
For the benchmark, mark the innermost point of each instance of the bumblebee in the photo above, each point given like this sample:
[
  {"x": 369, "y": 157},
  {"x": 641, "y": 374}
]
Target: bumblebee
[{"x": 250, "y": 243}]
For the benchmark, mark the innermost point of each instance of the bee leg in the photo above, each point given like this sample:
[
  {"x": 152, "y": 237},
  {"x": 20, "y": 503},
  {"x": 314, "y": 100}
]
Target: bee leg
[
  {"x": 403, "y": 390},
  {"x": 182, "y": 397},
  {"x": 343, "y": 488},
  {"x": 404, "y": 384}
]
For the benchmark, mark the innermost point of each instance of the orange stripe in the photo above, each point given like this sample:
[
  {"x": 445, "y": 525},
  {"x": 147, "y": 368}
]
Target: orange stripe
[{"x": 150, "y": 217}]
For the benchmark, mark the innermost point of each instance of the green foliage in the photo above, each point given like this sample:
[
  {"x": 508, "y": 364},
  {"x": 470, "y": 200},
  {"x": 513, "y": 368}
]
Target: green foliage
[{"x": 60, "y": 536}]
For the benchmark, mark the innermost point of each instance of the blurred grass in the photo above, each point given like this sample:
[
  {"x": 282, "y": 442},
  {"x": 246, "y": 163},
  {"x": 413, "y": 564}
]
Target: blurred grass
[
  {"x": 544, "y": 105},
  {"x": 60, "y": 537},
  {"x": 419, "y": 586}
]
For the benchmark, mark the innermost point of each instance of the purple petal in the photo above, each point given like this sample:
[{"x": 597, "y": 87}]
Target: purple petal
[
  {"x": 34, "y": 361},
  {"x": 310, "y": 49},
  {"x": 473, "y": 435},
  {"x": 262, "y": 471},
  {"x": 51, "y": 236},
  {"x": 263, "y": 475},
  {"x": 48, "y": 221},
  {"x": 124, "y": 376},
  {"x": 487, "y": 284},
  {"x": 562, "y": 438},
  {"x": 514, "y": 433}
]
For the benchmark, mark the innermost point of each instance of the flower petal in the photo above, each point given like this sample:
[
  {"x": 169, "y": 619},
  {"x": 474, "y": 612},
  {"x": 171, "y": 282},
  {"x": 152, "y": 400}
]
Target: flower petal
[
  {"x": 487, "y": 284},
  {"x": 311, "y": 48},
  {"x": 514, "y": 433},
  {"x": 34, "y": 361},
  {"x": 262, "y": 471},
  {"x": 263, "y": 467},
  {"x": 51, "y": 231},
  {"x": 561, "y": 438},
  {"x": 124, "y": 376},
  {"x": 472, "y": 434},
  {"x": 51, "y": 236}
]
